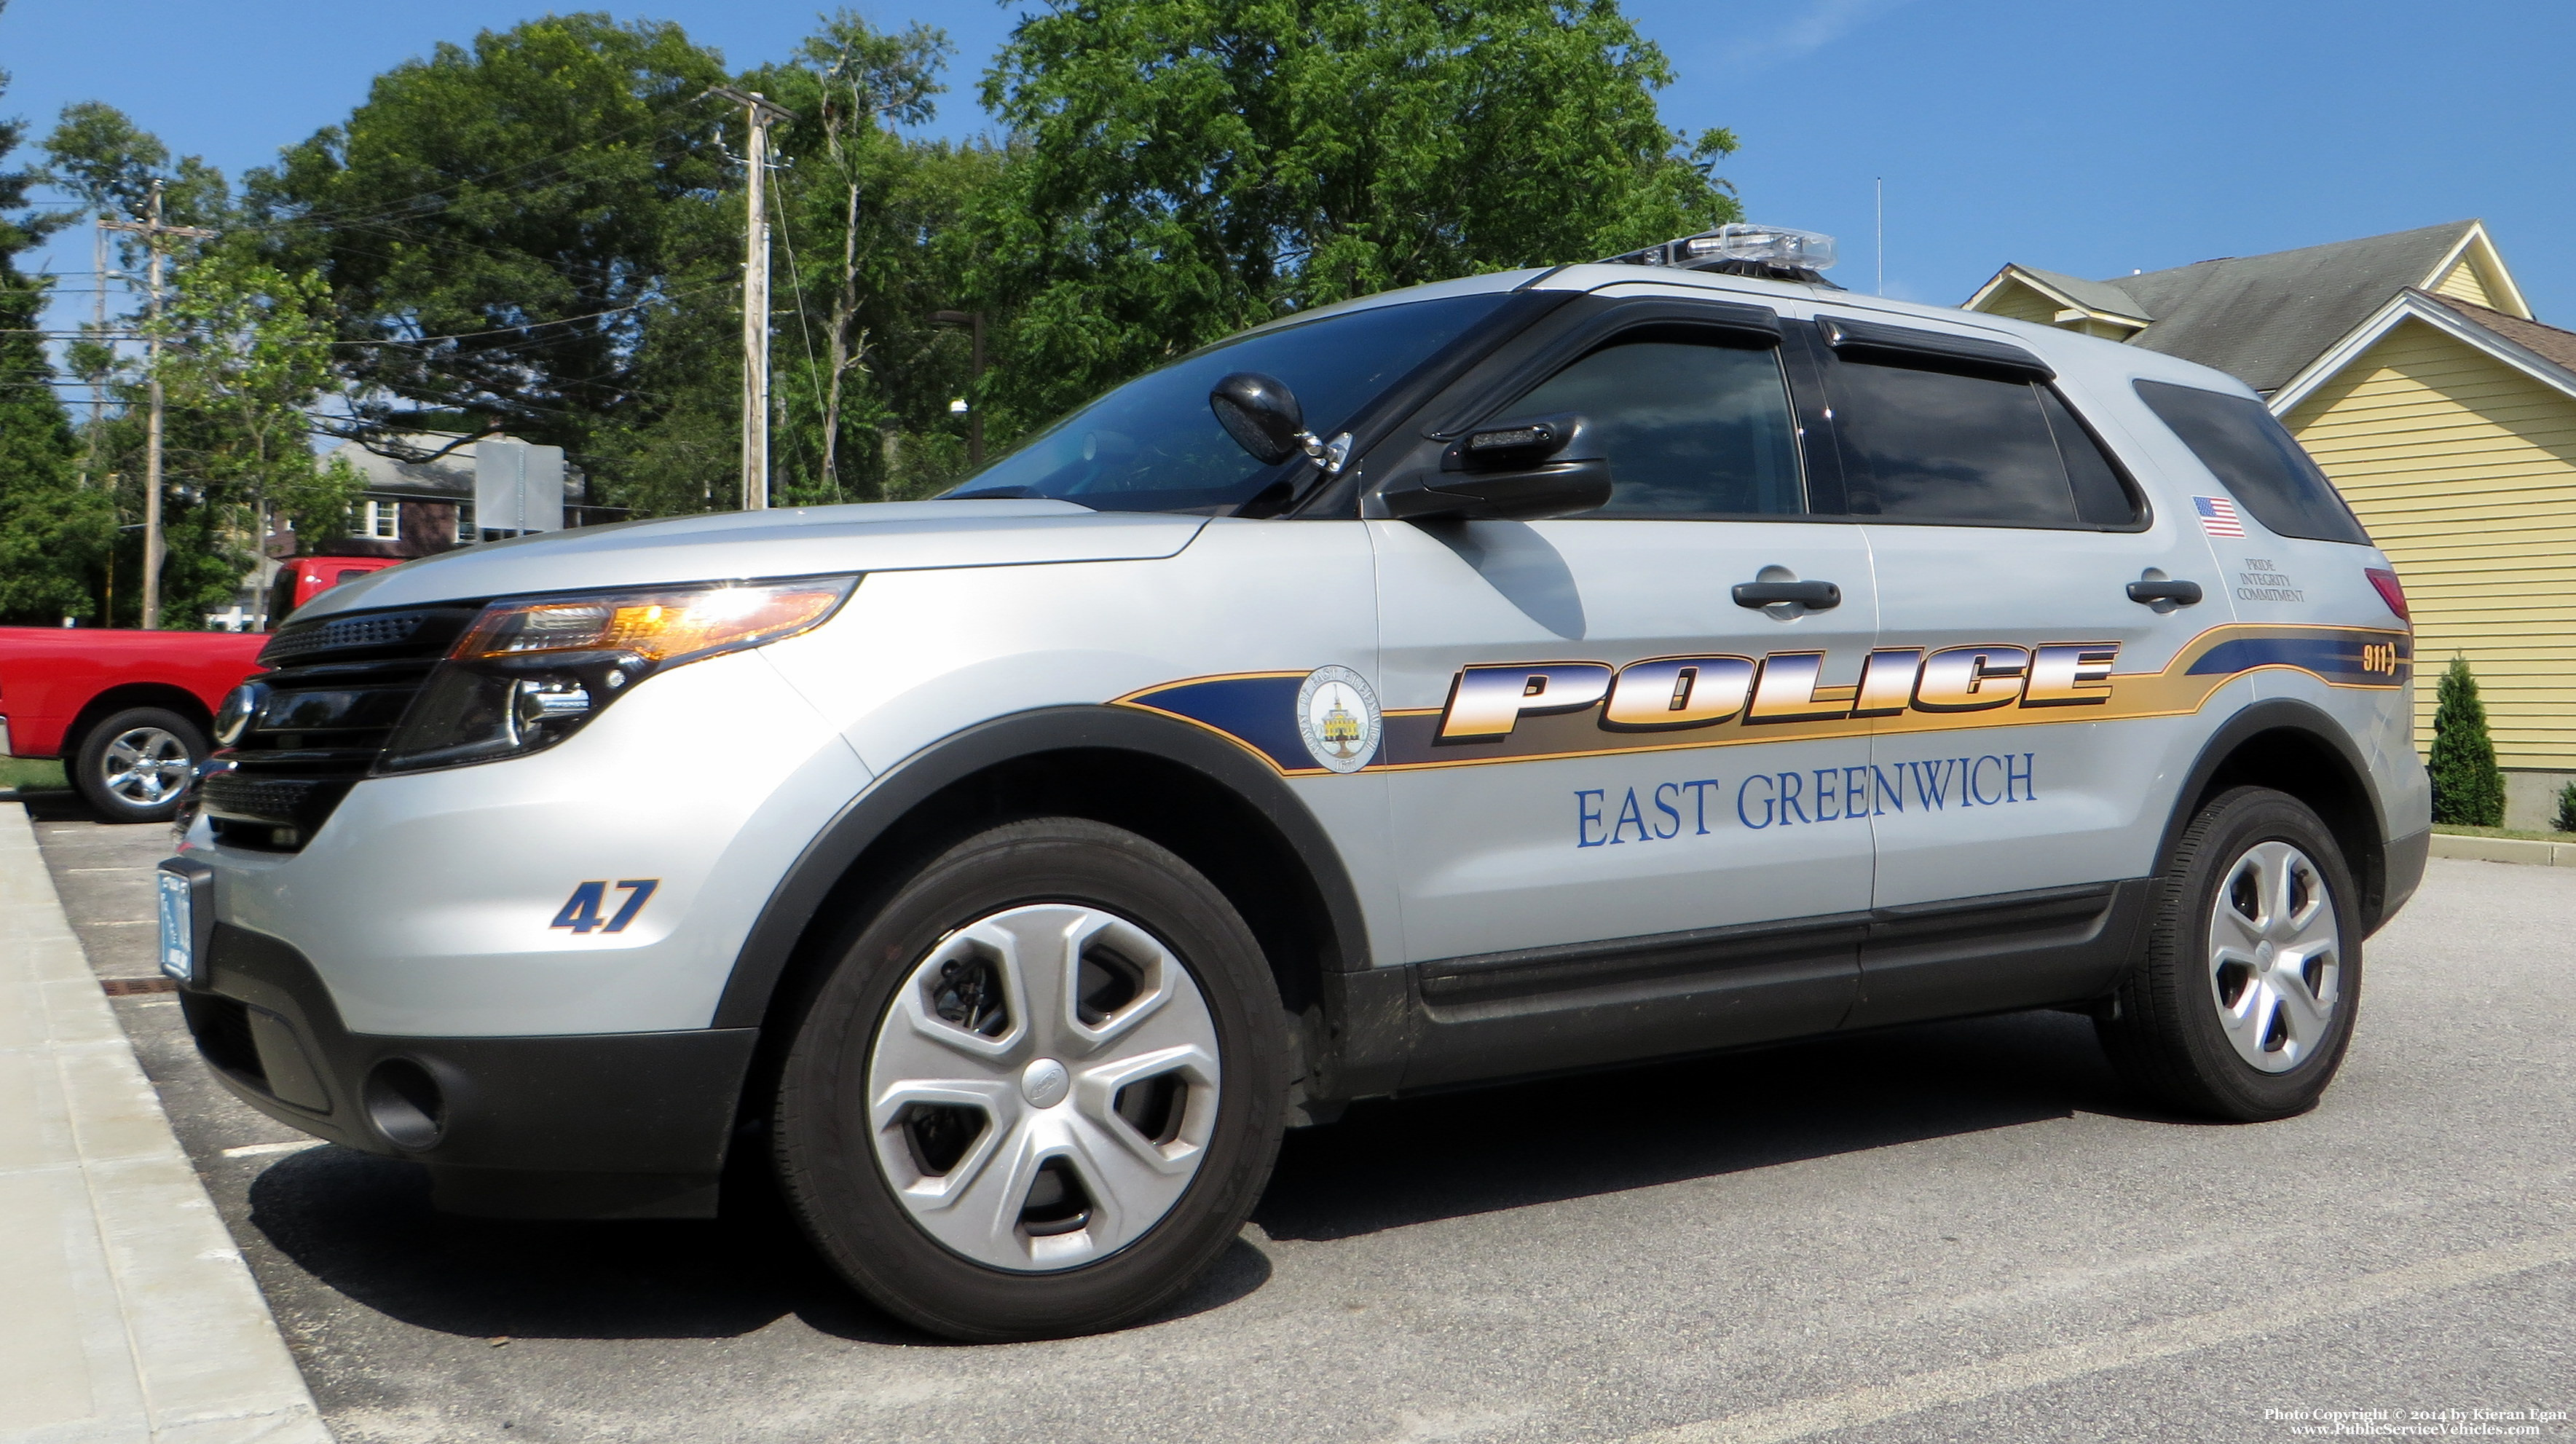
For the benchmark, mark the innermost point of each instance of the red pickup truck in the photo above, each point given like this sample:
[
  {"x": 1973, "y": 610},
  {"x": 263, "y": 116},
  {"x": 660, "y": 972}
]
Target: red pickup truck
[{"x": 130, "y": 711}]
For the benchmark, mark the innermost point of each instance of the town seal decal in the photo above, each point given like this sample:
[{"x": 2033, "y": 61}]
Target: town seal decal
[{"x": 1337, "y": 715}]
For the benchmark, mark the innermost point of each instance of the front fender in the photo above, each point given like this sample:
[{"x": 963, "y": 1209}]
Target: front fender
[{"x": 792, "y": 906}]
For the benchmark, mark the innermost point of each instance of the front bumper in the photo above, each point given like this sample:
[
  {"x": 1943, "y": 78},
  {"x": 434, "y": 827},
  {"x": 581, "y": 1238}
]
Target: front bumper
[{"x": 618, "y": 1125}]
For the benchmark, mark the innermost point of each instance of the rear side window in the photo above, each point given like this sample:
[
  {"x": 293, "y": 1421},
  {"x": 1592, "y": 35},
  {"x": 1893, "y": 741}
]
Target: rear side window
[
  {"x": 1928, "y": 445},
  {"x": 2253, "y": 455},
  {"x": 281, "y": 596},
  {"x": 1691, "y": 428}
]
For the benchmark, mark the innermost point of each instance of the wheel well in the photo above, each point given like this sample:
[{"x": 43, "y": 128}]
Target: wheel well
[
  {"x": 135, "y": 694},
  {"x": 2313, "y": 770},
  {"x": 1225, "y": 837}
]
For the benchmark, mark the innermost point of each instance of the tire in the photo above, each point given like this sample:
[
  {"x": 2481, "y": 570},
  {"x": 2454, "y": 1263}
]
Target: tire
[
  {"x": 2244, "y": 1002},
  {"x": 134, "y": 765},
  {"x": 993, "y": 1194}
]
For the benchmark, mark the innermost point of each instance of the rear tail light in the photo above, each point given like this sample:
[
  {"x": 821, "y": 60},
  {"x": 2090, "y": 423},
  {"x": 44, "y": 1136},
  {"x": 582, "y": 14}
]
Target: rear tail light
[{"x": 2391, "y": 590}]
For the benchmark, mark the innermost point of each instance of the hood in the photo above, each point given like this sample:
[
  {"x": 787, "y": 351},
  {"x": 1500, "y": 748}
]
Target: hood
[{"x": 781, "y": 542}]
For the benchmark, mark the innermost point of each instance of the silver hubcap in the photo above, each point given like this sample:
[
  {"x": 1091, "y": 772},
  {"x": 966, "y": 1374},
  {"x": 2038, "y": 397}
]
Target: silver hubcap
[
  {"x": 2275, "y": 957},
  {"x": 1043, "y": 1086},
  {"x": 146, "y": 766}
]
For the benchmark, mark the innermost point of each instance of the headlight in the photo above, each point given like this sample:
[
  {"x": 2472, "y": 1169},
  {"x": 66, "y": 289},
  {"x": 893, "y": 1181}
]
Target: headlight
[{"x": 532, "y": 670}]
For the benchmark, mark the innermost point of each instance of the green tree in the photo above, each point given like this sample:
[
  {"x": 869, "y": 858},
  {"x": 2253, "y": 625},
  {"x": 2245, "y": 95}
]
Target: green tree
[
  {"x": 858, "y": 78},
  {"x": 54, "y": 532},
  {"x": 100, "y": 155},
  {"x": 501, "y": 224},
  {"x": 112, "y": 166},
  {"x": 2468, "y": 787},
  {"x": 1196, "y": 166},
  {"x": 247, "y": 355},
  {"x": 869, "y": 224}
]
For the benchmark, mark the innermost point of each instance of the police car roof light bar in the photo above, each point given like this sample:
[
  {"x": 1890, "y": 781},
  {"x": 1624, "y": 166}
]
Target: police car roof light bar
[{"x": 1775, "y": 253}]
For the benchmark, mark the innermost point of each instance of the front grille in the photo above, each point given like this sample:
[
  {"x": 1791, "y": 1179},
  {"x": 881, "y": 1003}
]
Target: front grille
[
  {"x": 341, "y": 634},
  {"x": 338, "y": 689}
]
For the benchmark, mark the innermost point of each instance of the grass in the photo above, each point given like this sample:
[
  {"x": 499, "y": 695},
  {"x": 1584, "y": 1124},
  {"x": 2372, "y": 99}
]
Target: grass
[
  {"x": 32, "y": 774},
  {"x": 2462, "y": 829}
]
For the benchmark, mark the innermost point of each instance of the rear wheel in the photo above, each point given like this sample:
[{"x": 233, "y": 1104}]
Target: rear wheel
[
  {"x": 134, "y": 765},
  {"x": 1040, "y": 1091},
  {"x": 2245, "y": 1000}
]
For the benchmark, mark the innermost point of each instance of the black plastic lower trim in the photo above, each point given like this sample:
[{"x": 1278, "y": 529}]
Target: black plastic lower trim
[
  {"x": 2405, "y": 858},
  {"x": 1995, "y": 954},
  {"x": 582, "y": 1126},
  {"x": 1488, "y": 1017}
]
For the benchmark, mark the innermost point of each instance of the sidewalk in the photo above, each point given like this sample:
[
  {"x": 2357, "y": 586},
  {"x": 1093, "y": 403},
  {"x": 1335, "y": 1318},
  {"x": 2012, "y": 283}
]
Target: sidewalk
[
  {"x": 2505, "y": 849},
  {"x": 129, "y": 1313}
]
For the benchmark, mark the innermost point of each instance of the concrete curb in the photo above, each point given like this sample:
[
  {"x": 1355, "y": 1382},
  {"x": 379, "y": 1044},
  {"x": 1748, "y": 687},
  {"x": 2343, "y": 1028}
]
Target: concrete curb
[
  {"x": 131, "y": 1316},
  {"x": 2505, "y": 849}
]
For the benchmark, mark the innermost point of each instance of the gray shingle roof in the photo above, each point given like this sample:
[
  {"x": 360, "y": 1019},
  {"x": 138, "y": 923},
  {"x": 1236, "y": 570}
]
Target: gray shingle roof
[
  {"x": 2092, "y": 295},
  {"x": 2548, "y": 342},
  {"x": 2262, "y": 318}
]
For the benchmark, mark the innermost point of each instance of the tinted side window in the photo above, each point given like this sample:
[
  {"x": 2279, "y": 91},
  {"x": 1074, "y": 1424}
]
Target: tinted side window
[
  {"x": 1691, "y": 428},
  {"x": 2103, "y": 496},
  {"x": 1937, "y": 446},
  {"x": 2244, "y": 447}
]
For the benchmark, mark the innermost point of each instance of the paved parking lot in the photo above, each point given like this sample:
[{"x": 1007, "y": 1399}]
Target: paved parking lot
[{"x": 1962, "y": 1231}]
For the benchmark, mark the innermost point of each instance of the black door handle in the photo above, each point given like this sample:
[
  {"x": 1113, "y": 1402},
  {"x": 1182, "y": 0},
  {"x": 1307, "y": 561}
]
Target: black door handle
[
  {"x": 1814, "y": 596},
  {"x": 2187, "y": 593}
]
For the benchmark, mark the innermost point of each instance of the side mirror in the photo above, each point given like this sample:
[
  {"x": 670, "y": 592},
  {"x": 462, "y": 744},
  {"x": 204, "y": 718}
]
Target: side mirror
[
  {"x": 1263, "y": 417},
  {"x": 1526, "y": 469},
  {"x": 1260, "y": 413}
]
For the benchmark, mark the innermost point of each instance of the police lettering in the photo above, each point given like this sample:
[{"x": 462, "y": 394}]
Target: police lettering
[{"x": 1487, "y": 700}]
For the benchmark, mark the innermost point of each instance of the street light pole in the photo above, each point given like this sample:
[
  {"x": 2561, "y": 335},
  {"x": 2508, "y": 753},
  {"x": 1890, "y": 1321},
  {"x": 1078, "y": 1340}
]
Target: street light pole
[
  {"x": 975, "y": 407},
  {"x": 755, "y": 293}
]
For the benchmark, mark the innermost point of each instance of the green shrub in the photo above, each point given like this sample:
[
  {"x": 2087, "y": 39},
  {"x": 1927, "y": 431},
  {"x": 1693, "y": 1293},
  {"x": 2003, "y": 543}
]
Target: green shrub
[
  {"x": 2565, "y": 821},
  {"x": 2468, "y": 787}
]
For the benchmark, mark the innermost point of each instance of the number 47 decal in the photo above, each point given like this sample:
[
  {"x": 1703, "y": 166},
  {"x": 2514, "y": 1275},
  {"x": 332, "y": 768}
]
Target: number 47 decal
[{"x": 581, "y": 910}]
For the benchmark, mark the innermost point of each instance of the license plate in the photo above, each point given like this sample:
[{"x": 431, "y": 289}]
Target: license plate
[{"x": 178, "y": 926}]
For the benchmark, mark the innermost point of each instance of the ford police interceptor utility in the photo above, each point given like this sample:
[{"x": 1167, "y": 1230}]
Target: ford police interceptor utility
[{"x": 1633, "y": 659}]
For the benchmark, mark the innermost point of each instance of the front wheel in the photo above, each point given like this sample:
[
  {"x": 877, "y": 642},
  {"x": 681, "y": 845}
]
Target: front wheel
[
  {"x": 1040, "y": 1091},
  {"x": 135, "y": 765},
  {"x": 2244, "y": 1002}
]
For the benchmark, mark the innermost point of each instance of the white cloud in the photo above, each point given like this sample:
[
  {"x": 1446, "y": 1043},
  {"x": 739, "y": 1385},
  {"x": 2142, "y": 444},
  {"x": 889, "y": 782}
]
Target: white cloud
[{"x": 1822, "y": 23}]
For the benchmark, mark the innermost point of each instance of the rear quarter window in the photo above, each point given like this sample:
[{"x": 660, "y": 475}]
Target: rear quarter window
[{"x": 2253, "y": 455}]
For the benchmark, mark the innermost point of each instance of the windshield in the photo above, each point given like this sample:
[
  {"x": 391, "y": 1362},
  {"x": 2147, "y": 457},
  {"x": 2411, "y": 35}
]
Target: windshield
[{"x": 1153, "y": 444}]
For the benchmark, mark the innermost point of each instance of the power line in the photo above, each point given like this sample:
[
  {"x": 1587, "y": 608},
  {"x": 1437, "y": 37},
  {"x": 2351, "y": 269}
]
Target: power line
[{"x": 796, "y": 283}]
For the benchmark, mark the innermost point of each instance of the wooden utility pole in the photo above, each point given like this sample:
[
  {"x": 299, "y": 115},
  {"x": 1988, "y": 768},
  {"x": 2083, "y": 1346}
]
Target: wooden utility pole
[
  {"x": 153, "y": 232},
  {"x": 97, "y": 391},
  {"x": 975, "y": 371},
  {"x": 755, "y": 293}
]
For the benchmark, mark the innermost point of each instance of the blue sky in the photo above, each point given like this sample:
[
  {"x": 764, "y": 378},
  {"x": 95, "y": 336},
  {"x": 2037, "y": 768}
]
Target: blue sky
[{"x": 2087, "y": 137}]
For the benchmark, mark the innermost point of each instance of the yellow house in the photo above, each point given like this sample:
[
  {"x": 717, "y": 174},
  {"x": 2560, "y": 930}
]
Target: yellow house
[{"x": 2409, "y": 366}]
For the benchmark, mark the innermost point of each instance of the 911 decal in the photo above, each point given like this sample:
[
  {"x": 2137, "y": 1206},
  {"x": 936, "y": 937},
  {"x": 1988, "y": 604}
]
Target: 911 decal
[{"x": 581, "y": 911}]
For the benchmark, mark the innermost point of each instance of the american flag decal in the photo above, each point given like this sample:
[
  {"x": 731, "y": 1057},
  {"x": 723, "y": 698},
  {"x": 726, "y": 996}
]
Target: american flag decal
[{"x": 2218, "y": 516}]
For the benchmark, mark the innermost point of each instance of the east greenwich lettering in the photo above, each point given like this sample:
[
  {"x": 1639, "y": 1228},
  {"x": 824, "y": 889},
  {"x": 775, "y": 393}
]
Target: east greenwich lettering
[{"x": 1668, "y": 810}]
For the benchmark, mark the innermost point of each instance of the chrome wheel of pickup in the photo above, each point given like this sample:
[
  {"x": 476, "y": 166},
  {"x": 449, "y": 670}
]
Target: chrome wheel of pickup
[
  {"x": 145, "y": 766},
  {"x": 2274, "y": 956},
  {"x": 1043, "y": 1087}
]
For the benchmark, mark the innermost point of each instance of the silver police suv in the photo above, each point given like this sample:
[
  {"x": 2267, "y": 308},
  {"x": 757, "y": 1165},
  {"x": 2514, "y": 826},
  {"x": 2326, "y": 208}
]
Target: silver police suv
[{"x": 1534, "y": 672}]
